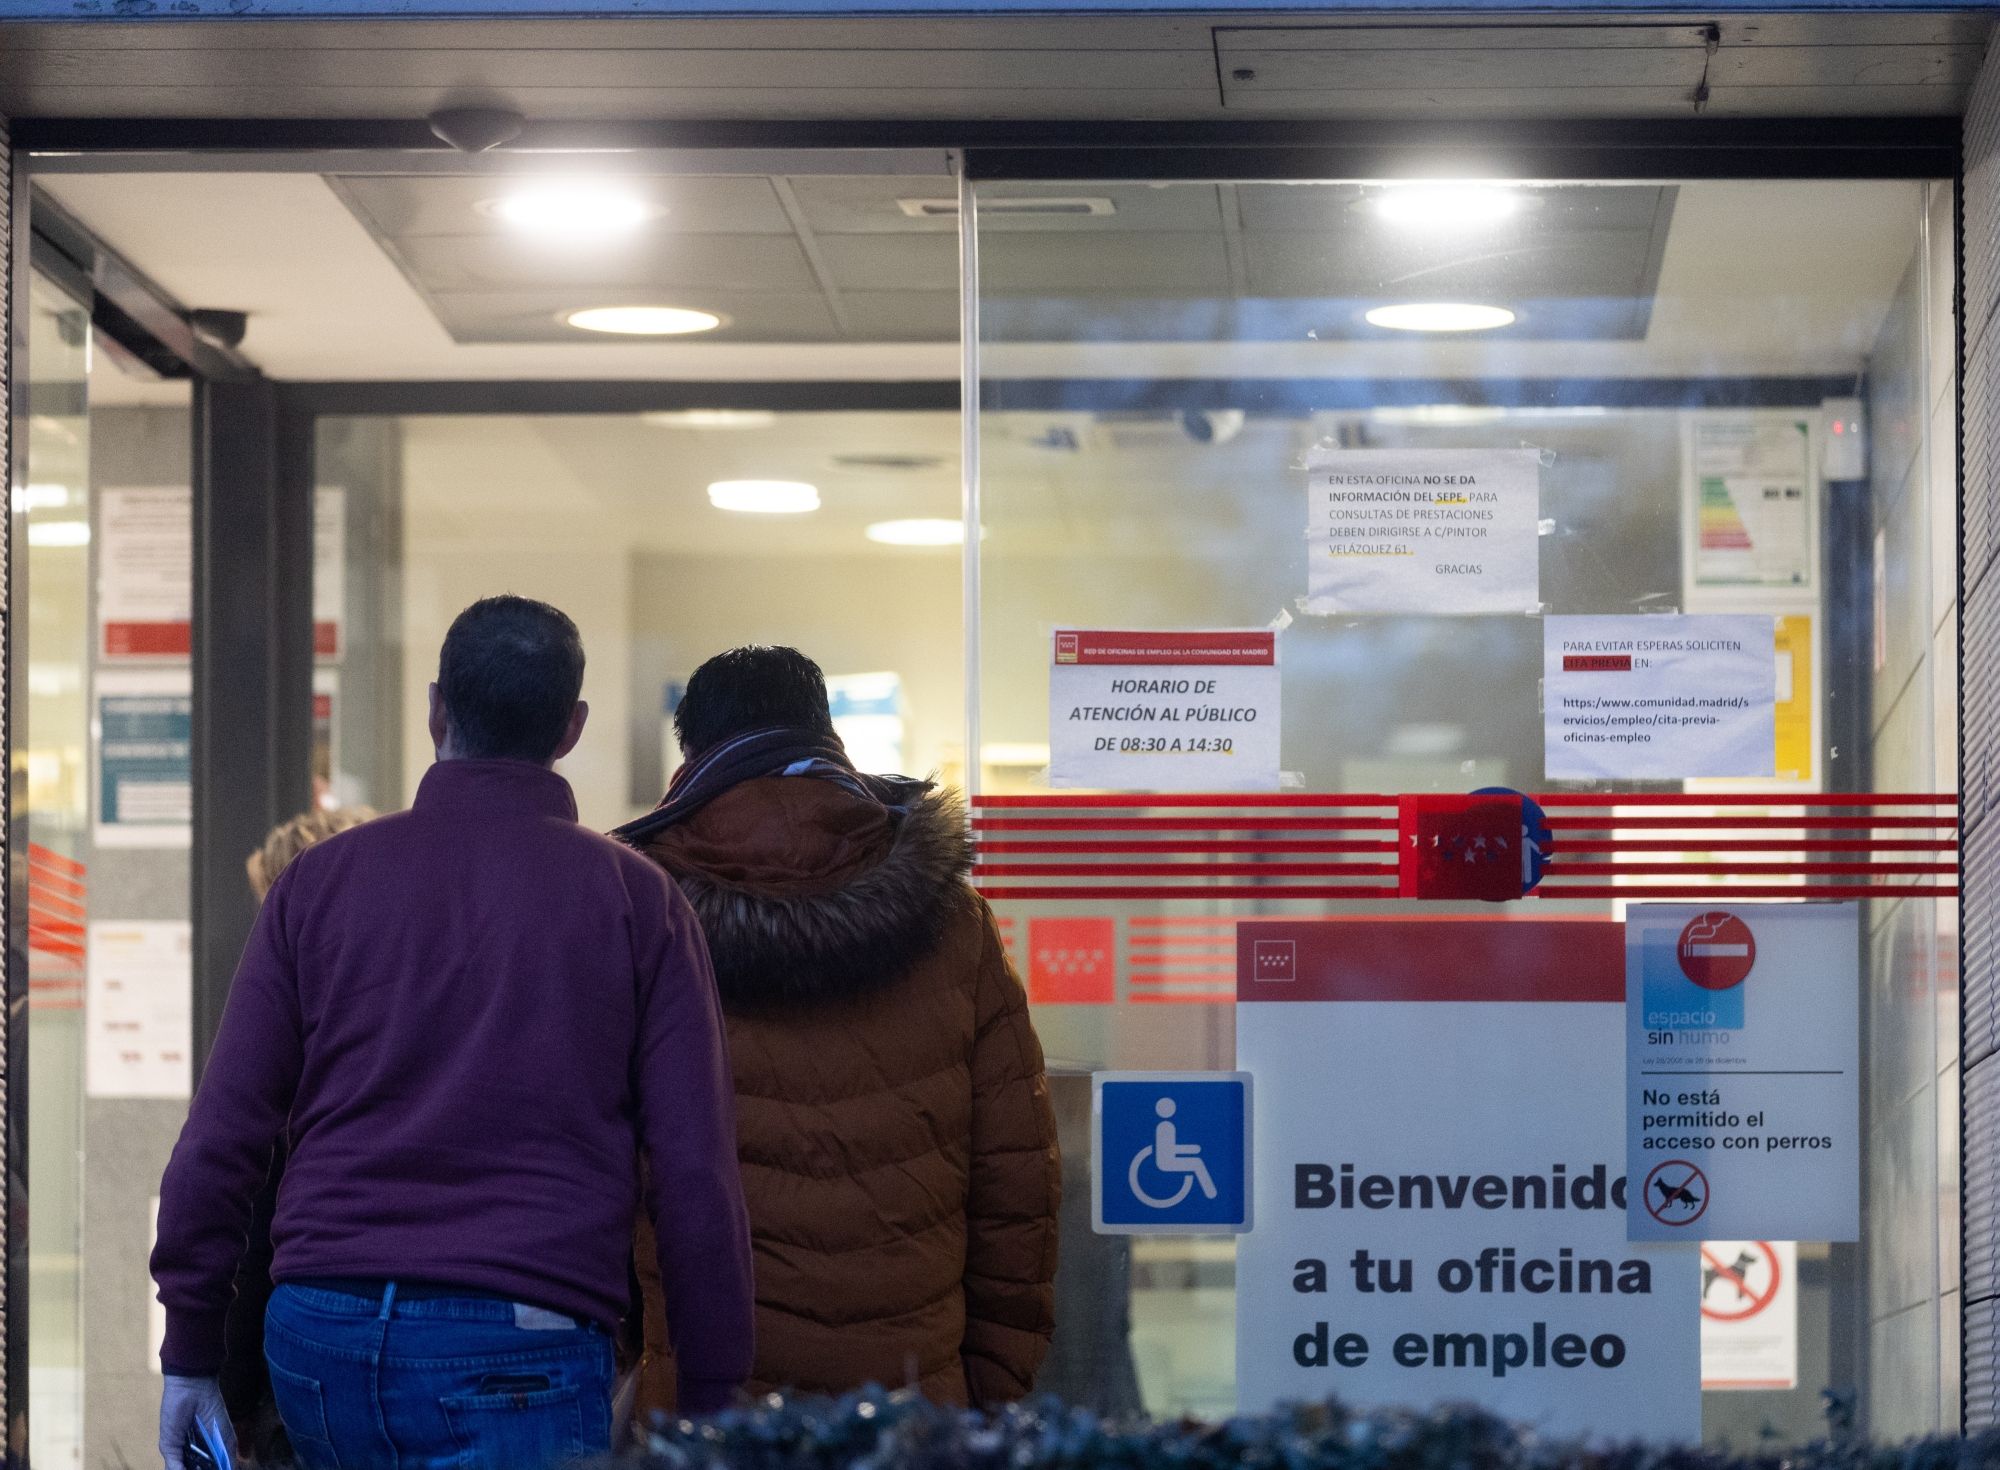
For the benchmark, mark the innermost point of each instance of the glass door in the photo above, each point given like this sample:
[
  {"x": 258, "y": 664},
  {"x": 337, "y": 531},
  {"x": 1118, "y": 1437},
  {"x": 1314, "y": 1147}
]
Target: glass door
[
  {"x": 103, "y": 711},
  {"x": 1388, "y": 433}
]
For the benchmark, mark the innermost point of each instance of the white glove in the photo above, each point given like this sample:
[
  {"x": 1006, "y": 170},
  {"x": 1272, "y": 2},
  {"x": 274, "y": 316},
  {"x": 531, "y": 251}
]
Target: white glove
[{"x": 183, "y": 1403}]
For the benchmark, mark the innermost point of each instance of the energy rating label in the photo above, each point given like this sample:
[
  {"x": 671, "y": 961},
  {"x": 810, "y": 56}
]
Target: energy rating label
[{"x": 1741, "y": 1065}]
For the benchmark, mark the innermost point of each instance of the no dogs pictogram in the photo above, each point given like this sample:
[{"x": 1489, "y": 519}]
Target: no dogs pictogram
[
  {"x": 1738, "y": 1280},
  {"x": 1676, "y": 1193}
]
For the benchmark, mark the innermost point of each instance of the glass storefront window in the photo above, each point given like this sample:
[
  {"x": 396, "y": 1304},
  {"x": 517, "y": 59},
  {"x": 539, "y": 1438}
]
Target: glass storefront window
[
  {"x": 52, "y": 811},
  {"x": 614, "y": 518},
  {"x": 1160, "y": 364},
  {"x": 101, "y": 824},
  {"x": 1160, "y": 368}
]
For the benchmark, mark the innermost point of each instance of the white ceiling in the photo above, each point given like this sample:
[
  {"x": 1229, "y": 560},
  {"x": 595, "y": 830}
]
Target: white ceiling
[
  {"x": 1757, "y": 278},
  {"x": 517, "y": 482}
]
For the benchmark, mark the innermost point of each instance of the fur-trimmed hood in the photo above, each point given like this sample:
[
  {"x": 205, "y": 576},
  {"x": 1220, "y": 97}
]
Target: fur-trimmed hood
[{"x": 806, "y": 891}]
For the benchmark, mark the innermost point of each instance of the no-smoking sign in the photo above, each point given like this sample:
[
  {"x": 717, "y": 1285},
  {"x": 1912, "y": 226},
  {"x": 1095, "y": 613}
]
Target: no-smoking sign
[{"x": 1717, "y": 950}]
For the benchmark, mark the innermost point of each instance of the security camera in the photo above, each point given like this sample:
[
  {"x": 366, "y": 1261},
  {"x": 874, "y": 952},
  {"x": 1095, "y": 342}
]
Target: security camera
[
  {"x": 476, "y": 129},
  {"x": 1213, "y": 425},
  {"x": 219, "y": 328}
]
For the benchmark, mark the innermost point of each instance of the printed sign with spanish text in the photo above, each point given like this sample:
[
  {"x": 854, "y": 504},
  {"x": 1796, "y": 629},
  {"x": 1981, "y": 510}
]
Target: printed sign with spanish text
[
  {"x": 1164, "y": 711},
  {"x": 1423, "y": 530},
  {"x": 1440, "y": 1186},
  {"x": 1742, "y": 1070},
  {"x": 1659, "y": 697}
]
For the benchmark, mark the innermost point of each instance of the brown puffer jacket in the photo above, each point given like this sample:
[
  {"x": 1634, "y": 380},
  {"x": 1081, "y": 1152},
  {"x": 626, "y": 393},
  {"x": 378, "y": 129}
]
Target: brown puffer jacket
[{"x": 893, "y": 1120}]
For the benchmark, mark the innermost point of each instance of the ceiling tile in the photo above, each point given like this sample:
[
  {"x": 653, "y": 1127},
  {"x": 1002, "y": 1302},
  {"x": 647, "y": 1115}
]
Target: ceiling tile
[
  {"x": 521, "y": 316},
  {"x": 720, "y": 262},
  {"x": 405, "y": 205}
]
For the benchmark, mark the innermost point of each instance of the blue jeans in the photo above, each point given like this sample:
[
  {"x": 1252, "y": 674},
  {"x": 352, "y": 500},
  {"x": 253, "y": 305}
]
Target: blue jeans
[{"x": 434, "y": 1384}]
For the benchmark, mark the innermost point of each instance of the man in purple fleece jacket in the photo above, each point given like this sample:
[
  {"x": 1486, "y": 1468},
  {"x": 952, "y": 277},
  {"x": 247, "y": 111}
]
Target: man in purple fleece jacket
[{"x": 468, "y": 1022}]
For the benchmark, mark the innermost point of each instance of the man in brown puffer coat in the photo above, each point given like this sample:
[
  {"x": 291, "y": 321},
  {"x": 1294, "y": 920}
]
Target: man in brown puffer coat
[{"x": 893, "y": 1120}]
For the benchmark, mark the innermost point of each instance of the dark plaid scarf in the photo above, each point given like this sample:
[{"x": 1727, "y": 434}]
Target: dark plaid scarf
[{"x": 776, "y": 751}]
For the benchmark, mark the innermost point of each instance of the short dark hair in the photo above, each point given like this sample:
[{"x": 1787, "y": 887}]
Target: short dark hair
[
  {"x": 510, "y": 673},
  {"x": 751, "y": 688}
]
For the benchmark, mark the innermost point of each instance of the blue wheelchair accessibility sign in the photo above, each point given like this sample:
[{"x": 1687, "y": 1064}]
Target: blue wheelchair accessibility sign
[{"x": 1171, "y": 1153}]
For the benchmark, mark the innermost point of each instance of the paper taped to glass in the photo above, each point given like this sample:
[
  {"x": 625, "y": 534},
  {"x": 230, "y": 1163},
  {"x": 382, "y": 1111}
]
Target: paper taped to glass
[{"x": 1423, "y": 530}]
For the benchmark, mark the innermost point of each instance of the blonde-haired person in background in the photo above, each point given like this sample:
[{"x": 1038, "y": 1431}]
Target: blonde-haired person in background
[
  {"x": 288, "y": 839},
  {"x": 246, "y": 1380}
]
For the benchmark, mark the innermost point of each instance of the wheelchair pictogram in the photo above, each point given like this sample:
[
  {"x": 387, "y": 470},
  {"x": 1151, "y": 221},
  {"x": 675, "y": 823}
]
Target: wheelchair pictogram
[
  {"x": 1171, "y": 1152},
  {"x": 1170, "y": 1156}
]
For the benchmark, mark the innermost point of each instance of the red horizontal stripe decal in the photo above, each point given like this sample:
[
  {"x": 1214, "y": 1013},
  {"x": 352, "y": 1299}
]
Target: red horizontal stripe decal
[
  {"x": 1135, "y": 846},
  {"x": 1857, "y": 870},
  {"x": 1170, "y": 846},
  {"x": 1712, "y": 891},
  {"x": 1606, "y": 824},
  {"x": 1114, "y": 799},
  {"x": 1187, "y": 870},
  {"x": 1187, "y": 824},
  {"x": 48, "y": 855},
  {"x": 1083, "y": 891},
  {"x": 1546, "y": 799},
  {"x": 1747, "y": 798},
  {"x": 1573, "y": 845}
]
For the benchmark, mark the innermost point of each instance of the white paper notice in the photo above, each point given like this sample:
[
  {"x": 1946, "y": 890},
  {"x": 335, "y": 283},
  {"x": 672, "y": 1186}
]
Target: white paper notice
[
  {"x": 1152, "y": 711},
  {"x": 1749, "y": 1314},
  {"x": 1743, "y": 1060},
  {"x": 145, "y": 573},
  {"x": 1423, "y": 530},
  {"x": 138, "y": 1009},
  {"x": 1659, "y": 697},
  {"x": 329, "y": 595}
]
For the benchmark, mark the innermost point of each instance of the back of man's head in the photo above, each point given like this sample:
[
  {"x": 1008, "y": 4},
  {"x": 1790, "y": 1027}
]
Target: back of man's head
[
  {"x": 751, "y": 688},
  {"x": 510, "y": 674}
]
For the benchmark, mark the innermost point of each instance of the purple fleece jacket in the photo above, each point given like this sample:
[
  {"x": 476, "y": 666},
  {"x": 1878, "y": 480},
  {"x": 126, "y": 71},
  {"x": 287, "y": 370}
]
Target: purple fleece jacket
[{"x": 469, "y": 1019}]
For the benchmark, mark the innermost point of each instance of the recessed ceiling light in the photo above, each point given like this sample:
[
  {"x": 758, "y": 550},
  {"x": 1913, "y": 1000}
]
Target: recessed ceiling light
[
  {"x": 572, "y": 210},
  {"x": 764, "y": 497},
  {"x": 34, "y": 496},
  {"x": 644, "y": 321},
  {"x": 1438, "y": 415},
  {"x": 711, "y": 418},
  {"x": 919, "y": 531},
  {"x": 1445, "y": 206},
  {"x": 1439, "y": 316},
  {"x": 59, "y": 533}
]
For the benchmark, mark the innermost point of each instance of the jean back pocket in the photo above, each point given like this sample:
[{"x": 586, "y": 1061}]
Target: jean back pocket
[
  {"x": 302, "y": 1406},
  {"x": 518, "y": 1425}
]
